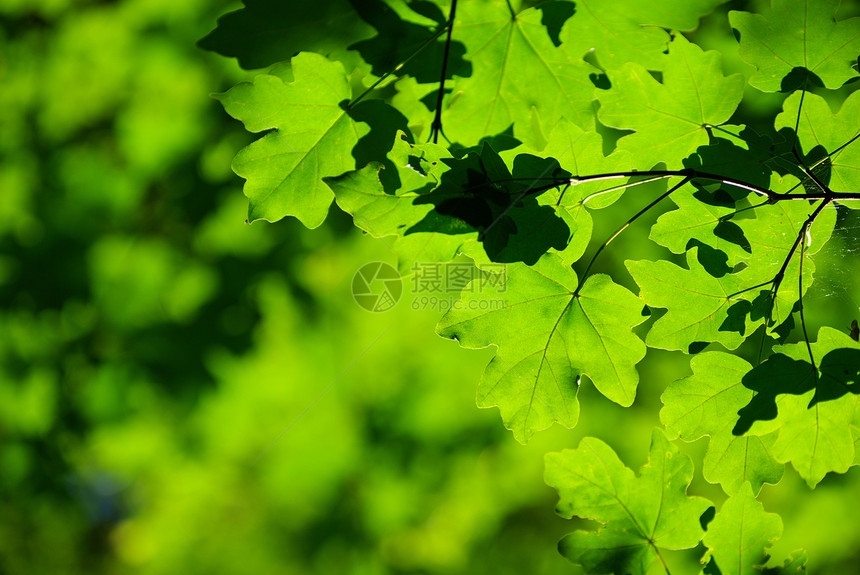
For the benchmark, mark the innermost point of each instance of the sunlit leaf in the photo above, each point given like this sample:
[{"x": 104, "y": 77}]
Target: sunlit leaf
[
  {"x": 815, "y": 412},
  {"x": 515, "y": 67},
  {"x": 798, "y": 34},
  {"x": 707, "y": 403},
  {"x": 641, "y": 516},
  {"x": 820, "y": 130},
  {"x": 548, "y": 338},
  {"x": 740, "y": 534},
  {"x": 312, "y": 137},
  {"x": 670, "y": 117}
]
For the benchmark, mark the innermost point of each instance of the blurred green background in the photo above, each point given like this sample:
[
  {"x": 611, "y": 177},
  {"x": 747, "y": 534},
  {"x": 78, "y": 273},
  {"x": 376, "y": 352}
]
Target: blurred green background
[{"x": 183, "y": 393}]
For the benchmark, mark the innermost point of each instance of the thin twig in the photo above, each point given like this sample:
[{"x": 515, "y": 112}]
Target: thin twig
[
  {"x": 436, "y": 127},
  {"x": 625, "y": 226},
  {"x": 397, "y": 68},
  {"x": 803, "y": 319},
  {"x": 777, "y": 279}
]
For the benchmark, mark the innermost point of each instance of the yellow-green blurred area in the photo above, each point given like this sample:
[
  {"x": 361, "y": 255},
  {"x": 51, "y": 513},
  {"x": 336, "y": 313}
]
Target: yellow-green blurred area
[{"x": 183, "y": 393}]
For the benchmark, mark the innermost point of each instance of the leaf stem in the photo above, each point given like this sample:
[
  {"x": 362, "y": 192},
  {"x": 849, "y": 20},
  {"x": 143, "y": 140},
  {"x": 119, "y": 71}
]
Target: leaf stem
[
  {"x": 397, "y": 68},
  {"x": 802, "y": 318},
  {"x": 623, "y": 187},
  {"x": 625, "y": 226},
  {"x": 772, "y": 197},
  {"x": 777, "y": 279},
  {"x": 436, "y": 127}
]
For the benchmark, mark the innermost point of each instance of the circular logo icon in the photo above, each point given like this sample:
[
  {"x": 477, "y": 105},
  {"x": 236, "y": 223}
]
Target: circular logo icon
[{"x": 376, "y": 287}]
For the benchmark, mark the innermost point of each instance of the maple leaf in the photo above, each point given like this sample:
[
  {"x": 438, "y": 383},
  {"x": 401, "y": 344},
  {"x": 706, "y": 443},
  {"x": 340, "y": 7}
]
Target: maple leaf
[
  {"x": 631, "y": 31},
  {"x": 580, "y": 152},
  {"x": 549, "y": 335},
  {"x": 707, "y": 403},
  {"x": 670, "y": 118},
  {"x": 313, "y": 137},
  {"x": 640, "y": 515},
  {"x": 515, "y": 69},
  {"x": 815, "y": 410},
  {"x": 740, "y": 533},
  {"x": 698, "y": 304},
  {"x": 820, "y": 130},
  {"x": 796, "y": 34}
]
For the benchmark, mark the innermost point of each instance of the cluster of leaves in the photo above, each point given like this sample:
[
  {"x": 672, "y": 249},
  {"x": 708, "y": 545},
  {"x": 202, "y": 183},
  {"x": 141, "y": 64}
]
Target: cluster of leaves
[{"x": 548, "y": 113}]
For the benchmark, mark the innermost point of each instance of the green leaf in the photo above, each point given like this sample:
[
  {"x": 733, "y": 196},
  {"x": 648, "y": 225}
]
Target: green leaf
[
  {"x": 670, "y": 118},
  {"x": 615, "y": 32},
  {"x": 758, "y": 246},
  {"x": 697, "y": 303},
  {"x": 693, "y": 220},
  {"x": 820, "y": 130},
  {"x": 640, "y": 515},
  {"x": 798, "y": 34},
  {"x": 383, "y": 212},
  {"x": 580, "y": 152},
  {"x": 313, "y": 138},
  {"x": 817, "y": 437},
  {"x": 630, "y": 31},
  {"x": 548, "y": 336},
  {"x": 268, "y": 31},
  {"x": 480, "y": 193},
  {"x": 515, "y": 68},
  {"x": 795, "y": 563},
  {"x": 753, "y": 241},
  {"x": 707, "y": 403},
  {"x": 740, "y": 534}
]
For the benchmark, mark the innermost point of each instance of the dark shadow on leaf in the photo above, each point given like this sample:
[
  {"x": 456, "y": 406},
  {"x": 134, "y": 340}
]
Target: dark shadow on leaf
[
  {"x": 713, "y": 260},
  {"x": 800, "y": 79},
  {"x": 555, "y": 14},
  {"x": 500, "y": 142},
  {"x": 736, "y": 320},
  {"x": 723, "y": 158},
  {"x": 657, "y": 75},
  {"x": 839, "y": 374},
  {"x": 711, "y": 568},
  {"x": 479, "y": 194},
  {"x": 429, "y": 100},
  {"x": 697, "y": 346},
  {"x": 429, "y": 10},
  {"x": 398, "y": 40},
  {"x": 268, "y": 31},
  {"x": 783, "y": 330},
  {"x": 732, "y": 233},
  {"x": 819, "y": 158},
  {"x": 600, "y": 81},
  {"x": 761, "y": 305},
  {"x": 778, "y": 374},
  {"x": 610, "y": 136},
  {"x": 786, "y": 143},
  {"x": 707, "y": 517},
  {"x": 718, "y": 197},
  {"x": 384, "y": 122}
]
